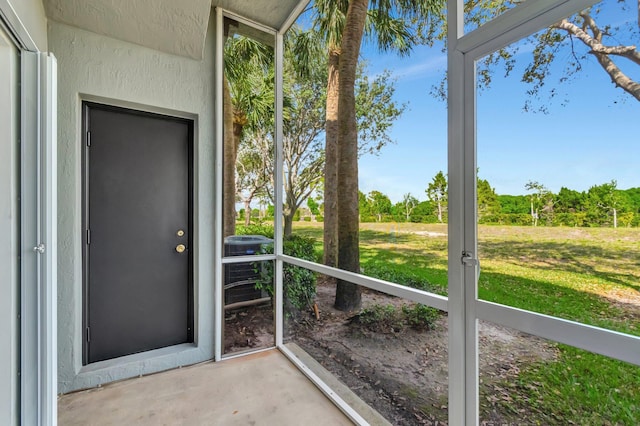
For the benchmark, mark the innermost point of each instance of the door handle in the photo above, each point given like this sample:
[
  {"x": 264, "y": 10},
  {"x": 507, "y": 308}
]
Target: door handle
[{"x": 180, "y": 248}]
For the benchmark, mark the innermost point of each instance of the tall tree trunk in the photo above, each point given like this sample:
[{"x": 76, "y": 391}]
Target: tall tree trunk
[
  {"x": 288, "y": 224},
  {"x": 229, "y": 165},
  {"x": 533, "y": 215},
  {"x": 331, "y": 163},
  {"x": 348, "y": 295},
  {"x": 439, "y": 212},
  {"x": 247, "y": 212}
]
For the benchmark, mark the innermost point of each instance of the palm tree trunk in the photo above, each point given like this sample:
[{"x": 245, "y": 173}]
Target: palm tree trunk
[
  {"x": 348, "y": 295},
  {"x": 331, "y": 163},
  {"x": 229, "y": 165}
]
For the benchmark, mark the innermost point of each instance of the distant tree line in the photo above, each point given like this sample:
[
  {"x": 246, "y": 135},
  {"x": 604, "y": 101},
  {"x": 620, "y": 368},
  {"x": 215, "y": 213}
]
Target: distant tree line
[{"x": 601, "y": 206}]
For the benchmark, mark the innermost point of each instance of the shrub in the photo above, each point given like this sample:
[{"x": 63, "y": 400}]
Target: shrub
[
  {"x": 367, "y": 218},
  {"x": 389, "y": 319},
  {"x": 265, "y": 230},
  {"x": 379, "y": 318},
  {"x": 299, "y": 284},
  {"x": 420, "y": 317},
  {"x": 400, "y": 276}
]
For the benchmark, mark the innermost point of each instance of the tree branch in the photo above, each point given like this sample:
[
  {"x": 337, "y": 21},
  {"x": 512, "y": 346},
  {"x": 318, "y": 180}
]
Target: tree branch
[{"x": 602, "y": 53}]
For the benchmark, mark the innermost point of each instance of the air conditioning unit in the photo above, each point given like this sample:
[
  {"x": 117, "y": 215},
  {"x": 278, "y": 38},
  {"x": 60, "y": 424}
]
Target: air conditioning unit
[{"x": 240, "y": 278}]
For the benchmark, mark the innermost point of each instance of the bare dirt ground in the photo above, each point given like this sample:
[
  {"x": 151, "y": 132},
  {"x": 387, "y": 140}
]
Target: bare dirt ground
[
  {"x": 402, "y": 375},
  {"x": 248, "y": 328}
]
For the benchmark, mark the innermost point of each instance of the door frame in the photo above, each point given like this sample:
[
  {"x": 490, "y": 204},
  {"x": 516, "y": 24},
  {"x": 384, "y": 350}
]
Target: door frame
[
  {"x": 9, "y": 228},
  {"x": 36, "y": 224},
  {"x": 86, "y": 105}
]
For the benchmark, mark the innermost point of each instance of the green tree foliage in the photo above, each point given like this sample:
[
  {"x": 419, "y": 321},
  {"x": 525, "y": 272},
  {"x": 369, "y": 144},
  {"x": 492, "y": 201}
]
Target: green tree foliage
[
  {"x": 633, "y": 196},
  {"x": 407, "y": 205},
  {"x": 299, "y": 284},
  {"x": 564, "y": 48},
  {"x": 248, "y": 104},
  {"x": 424, "y": 213},
  {"x": 376, "y": 110},
  {"x": 392, "y": 25},
  {"x": 304, "y": 119},
  {"x": 514, "y": 204},
  {"x": 437, "y": 193},
  {"x": 594, "y": 207},
  {"x": 569, "y": 201},
  {"x": 601, "y": 205},
  {"x": 252, "y": 175},
  {"x": 313, "y": 205},
  {"x": 540, "y": 198},
  {"x": 364, "y": 208},
  {"x": 380, "y": 204},
  {"x": 488, "y": 204},
  {"x": 604, "y": 203}
]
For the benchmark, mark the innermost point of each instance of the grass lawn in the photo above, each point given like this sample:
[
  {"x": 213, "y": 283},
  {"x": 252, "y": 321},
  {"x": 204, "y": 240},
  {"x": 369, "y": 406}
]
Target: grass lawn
[{"x": 591, "y": 275}]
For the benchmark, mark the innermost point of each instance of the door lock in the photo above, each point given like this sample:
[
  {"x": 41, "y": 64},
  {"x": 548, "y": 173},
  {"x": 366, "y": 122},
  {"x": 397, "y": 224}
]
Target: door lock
[
  {"x": 468, "y": 259},
  {"x": 180, "y": 248}
]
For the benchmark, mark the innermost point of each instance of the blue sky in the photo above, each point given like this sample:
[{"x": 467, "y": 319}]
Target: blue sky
[{"x": 591, "y": 140}]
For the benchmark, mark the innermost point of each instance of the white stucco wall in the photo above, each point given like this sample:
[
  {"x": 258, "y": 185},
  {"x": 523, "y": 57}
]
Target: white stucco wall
[
  {"x": 9, "y": 189},
  {"x": 95, "y": 67},
  {"x": 171, "y": 26}
]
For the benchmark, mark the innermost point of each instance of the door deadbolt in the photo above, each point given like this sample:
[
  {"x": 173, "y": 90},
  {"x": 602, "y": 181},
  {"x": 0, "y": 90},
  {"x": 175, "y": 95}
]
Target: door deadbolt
[
  {"x": 180, "y": 233},
  {"x": 180, "y": 248}
]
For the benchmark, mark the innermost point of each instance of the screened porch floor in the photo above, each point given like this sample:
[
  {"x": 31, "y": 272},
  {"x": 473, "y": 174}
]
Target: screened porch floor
[{"x": 259, "y": 389}]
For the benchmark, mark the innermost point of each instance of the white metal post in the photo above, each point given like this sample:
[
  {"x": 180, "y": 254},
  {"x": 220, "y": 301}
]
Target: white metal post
[
  {"x": 48, "y": 326},
  {"x": 39, "y": 239},
  {"x": 456, "y": 155},
  {"x": 218, "y": 295},
  {"x": 470, "y": 249},
  {"x": 464, "y": 50},
  {"x": 278, "y": 189}
]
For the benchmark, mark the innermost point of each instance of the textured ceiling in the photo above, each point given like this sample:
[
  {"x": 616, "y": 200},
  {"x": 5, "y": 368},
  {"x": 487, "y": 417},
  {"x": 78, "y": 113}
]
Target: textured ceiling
[
  {"x": 271, "y": 13},
  {"x": 178, "y": 27}
]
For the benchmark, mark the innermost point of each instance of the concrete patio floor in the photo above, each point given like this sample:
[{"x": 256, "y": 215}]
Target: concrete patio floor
[{"x": 258, "y": 389}]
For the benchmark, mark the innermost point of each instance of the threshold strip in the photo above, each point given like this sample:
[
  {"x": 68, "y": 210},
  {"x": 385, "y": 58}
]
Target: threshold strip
[{"x": 324, "y": 388}]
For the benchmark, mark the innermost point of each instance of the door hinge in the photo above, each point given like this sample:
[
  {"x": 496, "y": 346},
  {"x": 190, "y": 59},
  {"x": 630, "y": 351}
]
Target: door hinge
[
  {"x": 88, "y": 138},
  {"x": 468, "y": 259},
  {"x": 88, "y": 236},
  {"x": 88, "y": 334}
]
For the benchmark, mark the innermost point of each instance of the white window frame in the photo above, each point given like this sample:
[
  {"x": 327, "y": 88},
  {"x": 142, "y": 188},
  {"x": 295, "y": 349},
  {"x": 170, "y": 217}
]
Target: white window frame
[{"x": 219, "y": 259}]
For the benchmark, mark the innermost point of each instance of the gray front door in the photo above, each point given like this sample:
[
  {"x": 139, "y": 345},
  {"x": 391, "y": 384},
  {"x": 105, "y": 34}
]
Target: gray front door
[{"x": 137, "y": 259}]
